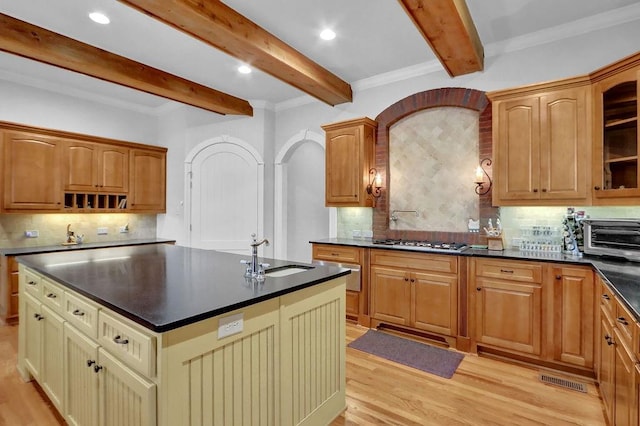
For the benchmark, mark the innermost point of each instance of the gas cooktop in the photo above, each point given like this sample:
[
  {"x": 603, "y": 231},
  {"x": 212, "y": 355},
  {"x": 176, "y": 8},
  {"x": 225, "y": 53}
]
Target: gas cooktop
[{"x": 425, "y": 245}]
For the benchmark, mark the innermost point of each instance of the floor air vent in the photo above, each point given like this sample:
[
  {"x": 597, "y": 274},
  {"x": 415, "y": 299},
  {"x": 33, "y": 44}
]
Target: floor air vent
[{"x": 564, "y": 383}]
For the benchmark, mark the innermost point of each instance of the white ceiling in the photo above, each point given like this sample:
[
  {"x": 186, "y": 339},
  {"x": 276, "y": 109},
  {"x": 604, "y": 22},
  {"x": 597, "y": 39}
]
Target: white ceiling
[{"x": 374, "y": 37}]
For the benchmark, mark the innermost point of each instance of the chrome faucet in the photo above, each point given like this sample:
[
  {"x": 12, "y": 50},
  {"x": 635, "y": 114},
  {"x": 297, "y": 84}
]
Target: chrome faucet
[{"x": 255, "y": 269}]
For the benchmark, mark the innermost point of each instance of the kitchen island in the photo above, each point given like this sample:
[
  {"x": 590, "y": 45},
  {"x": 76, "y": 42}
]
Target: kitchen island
[{"x": 170, "y": 335}]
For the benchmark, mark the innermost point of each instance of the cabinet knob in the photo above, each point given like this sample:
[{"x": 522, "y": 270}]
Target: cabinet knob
[
  {"x": 597, "y": 188},
  {"x": 406, "y": 279},
  {"x": 544, "y": 189},
  {"x": 412, "y": 280},
  {"x": 31, "y": 283},
  {"x": 479, "y": 288},
  {"x": 90, "y": 362},
  {"x": 608, "y": 339},
  {"x": 78, "y": 313},
  {"x": 51, "y": 296},
  {"x": 535, "y": 189},
  {"x": 558, "y": 277},
  {"x": 97, "y": 368}
]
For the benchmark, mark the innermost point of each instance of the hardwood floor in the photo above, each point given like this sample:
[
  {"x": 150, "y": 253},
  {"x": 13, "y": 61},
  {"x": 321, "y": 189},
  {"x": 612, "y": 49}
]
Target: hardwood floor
[{"x": 380, "y": 392}]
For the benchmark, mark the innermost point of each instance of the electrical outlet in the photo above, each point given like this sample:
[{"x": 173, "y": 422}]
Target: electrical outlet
[
  {"x": 31, "y": 234},
  {"x": 103, "y": 231},
  {"x": 367, "y": 234},
  {"x": 356, "y": 233},
  {"x": 233, "y": 324},
  {"x": 124, "y": 229}
]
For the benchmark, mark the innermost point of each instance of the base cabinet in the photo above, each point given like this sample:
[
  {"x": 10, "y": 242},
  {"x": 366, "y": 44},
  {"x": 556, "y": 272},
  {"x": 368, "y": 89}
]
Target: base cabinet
[{"x": 419, "y": 291}]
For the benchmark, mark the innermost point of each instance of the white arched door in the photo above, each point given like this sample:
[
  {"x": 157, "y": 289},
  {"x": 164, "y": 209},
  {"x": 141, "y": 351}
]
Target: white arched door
[{"x": 225, "y": 179}]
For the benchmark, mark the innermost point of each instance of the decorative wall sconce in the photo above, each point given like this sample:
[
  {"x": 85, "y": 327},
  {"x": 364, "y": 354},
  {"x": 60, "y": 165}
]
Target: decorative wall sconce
[
  {"x": 375, "y": 185},
  {"x": 481, "y": 187}
]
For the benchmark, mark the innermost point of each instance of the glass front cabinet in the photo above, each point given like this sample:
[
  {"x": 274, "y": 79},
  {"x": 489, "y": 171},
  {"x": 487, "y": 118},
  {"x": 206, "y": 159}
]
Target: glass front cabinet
[{"x": 616, "y": 142}]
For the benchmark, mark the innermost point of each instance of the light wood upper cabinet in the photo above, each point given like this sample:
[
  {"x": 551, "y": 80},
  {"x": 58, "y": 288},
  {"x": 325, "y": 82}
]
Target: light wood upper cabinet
[
  {"x": 616, "y": 142},
  {"x": 96, "y": 167},
  {"x": 32, "y": 165},
  {"x": 349, "y": 157},
  {"x": 148, "y": 181},
  {"x": 542, "y": 144}
]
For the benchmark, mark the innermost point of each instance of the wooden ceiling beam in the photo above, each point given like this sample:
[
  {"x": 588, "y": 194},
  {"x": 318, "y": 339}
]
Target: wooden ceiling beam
[
  {"x": 218, "y": 25},
  {"x": 29, "y": 41},
  {"x": 448, "y": 28}
]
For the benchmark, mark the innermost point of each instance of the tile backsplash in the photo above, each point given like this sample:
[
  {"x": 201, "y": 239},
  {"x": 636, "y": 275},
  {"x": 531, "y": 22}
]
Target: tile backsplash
[{"x": 52, "y": 228}]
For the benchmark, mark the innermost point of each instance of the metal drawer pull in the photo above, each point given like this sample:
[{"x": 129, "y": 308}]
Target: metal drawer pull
[
  {"x": 119, "y": 340},
  {"x": 78, "y": 312},
  {"x": 506, "y": 271},
  {"x": 90, "y": 362},
  {"x": 31, "y": 283},
  {"x": 608, "y": 339},
  {"x": 606, "y": 297},
  {"x": 622, "y": 320},
  {"x": 97, "y": 368},
  {"x": 51, "y": 296},
  {"x": 38, "y": 317}
]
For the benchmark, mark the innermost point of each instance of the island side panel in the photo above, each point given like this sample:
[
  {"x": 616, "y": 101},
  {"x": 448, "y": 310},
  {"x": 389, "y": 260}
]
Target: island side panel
[
  {"x": 223, "y": 381},
  {"x": 312, "y": 354}
]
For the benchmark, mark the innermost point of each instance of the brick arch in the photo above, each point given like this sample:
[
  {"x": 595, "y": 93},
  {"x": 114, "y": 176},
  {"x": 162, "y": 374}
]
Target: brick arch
[{"x": 444, "y": 97}]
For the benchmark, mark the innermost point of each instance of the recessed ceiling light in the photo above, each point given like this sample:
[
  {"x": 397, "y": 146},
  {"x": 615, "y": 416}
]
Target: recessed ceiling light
[
  {"x": 99, "y": 18},
  {"x": 327, "y": 34},
  {"x": 244, "y": 69}
]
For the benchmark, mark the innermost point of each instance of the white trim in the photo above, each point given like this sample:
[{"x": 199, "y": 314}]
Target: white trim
[
  {"x": 280, "y": 190},
  {"x": 188, "y": 173}
]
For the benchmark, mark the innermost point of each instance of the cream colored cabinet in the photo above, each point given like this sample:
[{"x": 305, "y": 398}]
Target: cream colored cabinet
[
  {"x": 148, "y": 181},
  {"x": 415, "y": 290},
  {"x": 571, "y": 304},
  {"x": 616, "y": 141},
  {"x": 542, "y": 144},
  {"x": 95, "y": 167},
  {"x": 349, "y": 158},
  {"x": 508, "y": 305},
  {"x": 33, "y": 334},
  {"x": 32, "y": 172}
]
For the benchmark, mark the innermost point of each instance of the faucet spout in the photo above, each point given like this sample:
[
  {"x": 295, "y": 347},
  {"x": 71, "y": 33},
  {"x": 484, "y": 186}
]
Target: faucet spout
[{"x": 254, "y": 266}]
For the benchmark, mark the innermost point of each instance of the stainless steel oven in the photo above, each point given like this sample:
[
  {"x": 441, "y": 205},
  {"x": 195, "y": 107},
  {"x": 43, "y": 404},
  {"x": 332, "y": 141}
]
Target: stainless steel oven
[
  {"x": 613, "y": 237},
  {"x": 353, "y": 279}
]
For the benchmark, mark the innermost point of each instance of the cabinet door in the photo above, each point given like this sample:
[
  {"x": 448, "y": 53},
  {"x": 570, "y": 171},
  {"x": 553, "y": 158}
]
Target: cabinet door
[
  {"x": 518, "y": 150},
  {"x": 390, "y": 295},
  {"x": 434, "y": 306},
  {"x": 607, "y": 358},
  {"x": 343, "y": 172},
  {"x": 33, "y": 335},
  {"x": 624, "y": 385},
  {"x": 113, "y": 169},
  {"x": 32, "y": 178},
  {"x": 564, "y": 144},
  {"x": 51, "y": 377},
  {"x": 572, "y": 300},
  {"x": 616, "y": 140},
  {"x": 123, "y": 391},
  {"x": 148, "y": 181},
  {"x": 508, "y": 315},
  {"x": 80, "y": 166},
  {"x": 81, "y": 380}
]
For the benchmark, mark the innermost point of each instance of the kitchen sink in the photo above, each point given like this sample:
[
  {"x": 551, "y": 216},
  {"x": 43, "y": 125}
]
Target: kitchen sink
[{"x": 283, "y": 271}]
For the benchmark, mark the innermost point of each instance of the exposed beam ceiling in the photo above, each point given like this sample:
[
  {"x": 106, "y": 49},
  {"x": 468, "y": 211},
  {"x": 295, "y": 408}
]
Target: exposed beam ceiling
[
  {"x": 218, "y": 25},
  {"x": 448, "y": 28},
  {"x": 23, "y": 39}
]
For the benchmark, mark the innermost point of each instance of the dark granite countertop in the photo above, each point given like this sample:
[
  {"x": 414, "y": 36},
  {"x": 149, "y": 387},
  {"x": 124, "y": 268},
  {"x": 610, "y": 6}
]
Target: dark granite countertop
[
  {"x": 19, "y": 251},
  {"x": 163, "y": 286},
  {"x": 622, "y": 275}
]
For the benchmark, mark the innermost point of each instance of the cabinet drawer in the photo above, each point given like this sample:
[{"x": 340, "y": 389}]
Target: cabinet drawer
[
  {"x": 82, "y": 313},
  {"x": 32, "y": 283},
  {"x": 606, "y": 297},
  {"x": 428, "y": 262},
  {"x": 336, "y": 253},
  {"x": 506, "y": 270},
  {"x": 136, "y": 349},
  {"x": 52, "y": 295},
  {"x": 625, "y": 323}
]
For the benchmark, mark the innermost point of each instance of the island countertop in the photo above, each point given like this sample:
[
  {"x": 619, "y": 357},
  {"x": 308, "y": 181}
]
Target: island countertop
[{"x": 163, "y": 287}]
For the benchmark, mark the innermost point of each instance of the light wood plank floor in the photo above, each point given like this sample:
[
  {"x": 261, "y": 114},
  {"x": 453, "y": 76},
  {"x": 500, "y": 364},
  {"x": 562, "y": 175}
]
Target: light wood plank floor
[{"x": 380, "y": 392}]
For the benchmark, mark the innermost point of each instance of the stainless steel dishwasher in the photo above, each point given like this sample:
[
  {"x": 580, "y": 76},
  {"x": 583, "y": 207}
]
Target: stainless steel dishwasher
[{"x": 353, "y": 279}]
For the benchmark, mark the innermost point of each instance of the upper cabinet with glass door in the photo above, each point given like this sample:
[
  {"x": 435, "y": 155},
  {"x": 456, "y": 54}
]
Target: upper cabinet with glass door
[{"x": 616, "y": 178}]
